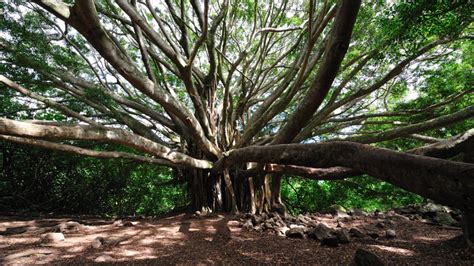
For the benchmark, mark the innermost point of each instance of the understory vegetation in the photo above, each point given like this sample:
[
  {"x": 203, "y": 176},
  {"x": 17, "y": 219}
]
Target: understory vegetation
[{"x": 44, "y": 181}]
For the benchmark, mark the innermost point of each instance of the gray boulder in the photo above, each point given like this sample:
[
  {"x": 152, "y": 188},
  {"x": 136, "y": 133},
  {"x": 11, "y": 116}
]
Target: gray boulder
[
  {"x": 342, "y": 236},
  {"x": 296, "y": 232},
  {"x": 52, "y": 238},
  {"x": 282, "y": 230},
  {"x": 248, "y": 225},
  {"x": 330, "y": 241},
  {"x": 256, "y": 219},
  {"x": 358, "y": 212},
  {"x": 390, "y": 233},
  {"x": 338, "y": 211},
  {"x": 320, "y": 232},
  {"x": 104, "y": 258},
  {"x": 357, "y": 232},
  {"x": 444, "y": 218},
  {"x": 366, "y": 258},
  {"x": 431, "y": 207}
]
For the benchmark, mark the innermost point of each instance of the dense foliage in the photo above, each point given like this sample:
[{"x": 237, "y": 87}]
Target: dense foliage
[
  {"x": 225, "y": 75},
  {"x": 37, "y": 180},
  {"x": 42, "y": 181}
]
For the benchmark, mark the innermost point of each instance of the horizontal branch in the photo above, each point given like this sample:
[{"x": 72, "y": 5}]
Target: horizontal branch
[
  {"x": 332, "y": 173},
  {"x": 81, "y": 151},
  {"x": 434, "y": 123},
  {"x": 425, "y": 138},
  {"x": 448, "y": 182},
  {"x": 29, "y": 130},
  {"x": 48, "y": 102},
  {"x": 282, "y": 29},
  {"x": 463, "y": 143}
]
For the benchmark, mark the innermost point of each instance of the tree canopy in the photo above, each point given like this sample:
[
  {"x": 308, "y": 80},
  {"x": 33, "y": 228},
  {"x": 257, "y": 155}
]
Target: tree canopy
[{"x": 233, "y": 95}]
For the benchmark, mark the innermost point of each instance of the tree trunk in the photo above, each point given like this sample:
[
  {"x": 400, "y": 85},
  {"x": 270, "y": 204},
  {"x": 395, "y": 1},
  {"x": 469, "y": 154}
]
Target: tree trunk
[
  {"x": 229, "y": 192},
  {"x": 276, "y": 202},
  {"x": 444, "y": 181}
]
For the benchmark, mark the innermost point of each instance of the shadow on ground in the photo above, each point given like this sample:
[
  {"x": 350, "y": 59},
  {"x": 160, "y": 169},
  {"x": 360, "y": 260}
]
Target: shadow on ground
[{"x": 217, "y": 239}]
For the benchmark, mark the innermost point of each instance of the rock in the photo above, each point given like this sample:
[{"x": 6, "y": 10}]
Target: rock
[
  {"x": 406, "y": 210},
  {"x": 268, "y": 225},
  {"x": 248, "y": 225},
  {"x": 52, "y": 238},
  {"x": 97, "y": 243},
  {"x": 256, "y": 219},
  {"x": 14, "y": 230},
  {"x": 358, "y": 212},
  {"x": 380, "y": 225},
  {"x": 248, "y": 215},
  {"x": 341, "y": 215},
  {"x": 356, "y": 232},
  {"x": 282, "y": 230},
  {"x": 373, "y": 235},
  {"x": 444, "y": 218},
  {"x": 330, "y": 241},
  {"x": 312, "y": 223},
  {"x": 280, "y": 223},
  {"x": 415, "y": 217},
  {"x": 258, "y": 228},
  {"x": 69, "y": 227},
  {"x": 337, "y": 208},
  {"x": 111, "y": 241},
  {"x": 398, "y": 217},
  {"x": 390, "y": 233},
  {"x": 338, "y": 211},
  {"x": 342, "y": 236},
  {"x": 456, "y": 215},
  {"x": 366, "y": 258},
  {"x": 104, "y": 258},
  {"x": 72, "y": 225},
  {"x": 275, "y": 215},
  {"x": 130, "y": 223},
  {"x": 319, "y": 232},
  {"x": 431, "y": 207},
  {"x": 302, "y": 227},
  {"x": 302, "y": 219},
  {"x": 279, "y": 208},
  {"x": 296, "y": 232}
]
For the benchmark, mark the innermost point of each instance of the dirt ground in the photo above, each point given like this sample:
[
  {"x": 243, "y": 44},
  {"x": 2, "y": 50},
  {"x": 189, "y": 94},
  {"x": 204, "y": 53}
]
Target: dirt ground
[{"x": 186, "y": 239}]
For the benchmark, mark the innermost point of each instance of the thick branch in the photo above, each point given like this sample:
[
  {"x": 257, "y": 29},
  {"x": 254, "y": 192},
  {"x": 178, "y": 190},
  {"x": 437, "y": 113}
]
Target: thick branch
[
  {"x": 22, "y": 129},
  {"x": 77, "y": 150},
  {"x": 447, "y": 182},
  {"x": 434, "y": 123},
  {"x": 84, "y": 18},
  {"x": 463, "y": 143},
  {"x": 332, "y": 173},
  {"x": 48, "y": 102},
  {"x": 335, "y": 52}
]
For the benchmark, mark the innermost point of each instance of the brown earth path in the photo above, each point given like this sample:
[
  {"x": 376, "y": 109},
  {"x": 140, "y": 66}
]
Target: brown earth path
[{"x": 185, "y": 239}]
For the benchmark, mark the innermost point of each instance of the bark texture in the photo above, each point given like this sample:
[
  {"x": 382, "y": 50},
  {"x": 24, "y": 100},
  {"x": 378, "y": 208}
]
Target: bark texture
[{"x": 447, "y": 182}]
